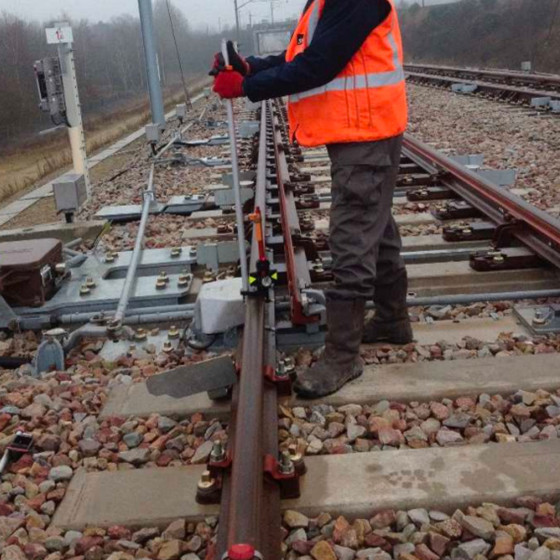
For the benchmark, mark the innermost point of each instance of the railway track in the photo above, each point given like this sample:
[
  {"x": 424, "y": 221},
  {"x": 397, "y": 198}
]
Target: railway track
[
  {"x": 541, "y": 91},
  {"x": 270, "y": 466}
]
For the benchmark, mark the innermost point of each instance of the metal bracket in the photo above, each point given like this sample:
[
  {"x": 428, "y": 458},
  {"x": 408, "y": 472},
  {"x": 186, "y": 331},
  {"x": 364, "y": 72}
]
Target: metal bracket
[
  {"x": 201, "y": 377},
  {"x": 539, "y": 319}
]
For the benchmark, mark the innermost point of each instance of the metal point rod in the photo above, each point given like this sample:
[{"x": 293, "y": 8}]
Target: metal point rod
[
  {"x": 236, "y": 185},
  {"x": 130, "y": 279}
]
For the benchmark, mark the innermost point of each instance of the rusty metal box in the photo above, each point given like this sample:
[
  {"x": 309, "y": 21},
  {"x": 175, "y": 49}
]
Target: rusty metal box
[{"x": 27, "y": 270}]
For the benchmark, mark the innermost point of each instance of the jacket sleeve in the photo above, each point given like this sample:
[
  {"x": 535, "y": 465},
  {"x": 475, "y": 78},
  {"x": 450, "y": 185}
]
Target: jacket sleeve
[
  {"x": 259, "y": 64},
  {"x": 343, "y": 27}
]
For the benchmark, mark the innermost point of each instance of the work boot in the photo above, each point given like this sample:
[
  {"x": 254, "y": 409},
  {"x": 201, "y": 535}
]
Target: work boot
[
  {"x": 341, "y": 360},
  {"x": 391, "y": 322}
]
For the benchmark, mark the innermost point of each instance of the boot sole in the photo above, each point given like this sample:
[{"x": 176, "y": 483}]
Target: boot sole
[{"x": 305, "y": 394}]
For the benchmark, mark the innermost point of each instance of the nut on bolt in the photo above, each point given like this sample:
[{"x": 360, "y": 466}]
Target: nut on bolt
[
  {"x": 140, "y": 335},
  {"x": 176, "y": 252},
  {"x": 540, "y": 317},
  {"x": 167, "y": 347},
  {"x": 206, "y": 481},
  {"x": 173, "y": 332},
  {"x": 161, "y": 284},
  {"x": 90, "y": 283},
  {"x": 286, "y": 465},
  {"x": 218, "y": 452},
  {"x": 84, "y": 290},
  {"x": 183, "y": 280}
]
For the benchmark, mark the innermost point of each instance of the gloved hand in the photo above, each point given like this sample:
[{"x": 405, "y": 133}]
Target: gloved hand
[
  {"x": 236, "y": 61},
  {"x": 229, "y": 84}
]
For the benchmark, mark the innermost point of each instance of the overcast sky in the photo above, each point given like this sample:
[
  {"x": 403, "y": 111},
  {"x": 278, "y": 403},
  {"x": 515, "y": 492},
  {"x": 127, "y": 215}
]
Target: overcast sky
[{"x": 199, "y": 12}]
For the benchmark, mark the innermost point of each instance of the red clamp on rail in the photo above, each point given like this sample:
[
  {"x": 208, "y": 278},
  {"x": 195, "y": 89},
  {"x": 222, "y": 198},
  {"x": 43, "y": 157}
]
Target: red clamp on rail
[
  {"x": 280, "y": 379},
  {"x": 241, "y": 551},
  {"x": 285, "y": 473}
]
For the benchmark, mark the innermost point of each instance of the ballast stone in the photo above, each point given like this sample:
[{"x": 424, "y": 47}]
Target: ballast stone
[{"x": 219, "y": 306}]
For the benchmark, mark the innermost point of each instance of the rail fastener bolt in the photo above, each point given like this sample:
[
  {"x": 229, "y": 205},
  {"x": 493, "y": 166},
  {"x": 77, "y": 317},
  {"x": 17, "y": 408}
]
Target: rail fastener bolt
[
  {"x": 540, "y": 317},
  {"x": 140, "y": 335},
  {"x": 286, "y": 465},
  {"x": 218, "y": 453},
  {"x": 183, "y": 280},
  {"x": 173, "y": 332},
  {"x": 167, "y": 347},
  {"x": 90, "y": 283},
  {"x": 207, "y": 489},
  {"x": 176, "y": 252},
  {"x": 84, "y": 290},
  {"x": 161, "y": 284}
]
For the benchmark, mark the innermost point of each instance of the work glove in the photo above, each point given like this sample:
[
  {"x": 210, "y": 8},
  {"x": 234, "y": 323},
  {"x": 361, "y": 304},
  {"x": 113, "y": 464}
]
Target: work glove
[
  {"x": 236, "y": 61},
  {"x": 229, "y": 84}
]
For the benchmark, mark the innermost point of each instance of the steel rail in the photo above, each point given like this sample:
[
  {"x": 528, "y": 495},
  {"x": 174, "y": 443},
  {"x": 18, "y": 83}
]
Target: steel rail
[
  {"x": 250, "y": 503},
  {"x": 533, "y": 227},
  {"x": 498, "y": 75},
  {"x": 494, "y": 88}
]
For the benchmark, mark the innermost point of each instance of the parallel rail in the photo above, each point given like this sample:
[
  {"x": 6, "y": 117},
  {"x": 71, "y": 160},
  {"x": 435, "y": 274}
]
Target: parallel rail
[{"x": 513, "y": 87}]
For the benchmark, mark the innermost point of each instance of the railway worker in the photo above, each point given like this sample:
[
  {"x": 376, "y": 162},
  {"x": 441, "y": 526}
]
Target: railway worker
[{"x": 344, "y": 77}]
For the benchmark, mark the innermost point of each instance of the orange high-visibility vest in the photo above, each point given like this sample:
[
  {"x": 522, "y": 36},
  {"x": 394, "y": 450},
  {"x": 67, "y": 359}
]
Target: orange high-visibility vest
[{"x": 365, "y": 102}]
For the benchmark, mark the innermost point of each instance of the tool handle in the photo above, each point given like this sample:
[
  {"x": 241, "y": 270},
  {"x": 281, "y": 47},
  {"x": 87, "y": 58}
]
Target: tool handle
[{"x": 225, "y": 53}]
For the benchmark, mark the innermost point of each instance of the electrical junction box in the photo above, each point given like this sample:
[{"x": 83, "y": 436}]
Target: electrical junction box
[
  {"x": 28, "y": 270},
  {"x": 48, "y": 75},
  {"x": 70, "y": 192},
  {"x": 153, "y": 133}
]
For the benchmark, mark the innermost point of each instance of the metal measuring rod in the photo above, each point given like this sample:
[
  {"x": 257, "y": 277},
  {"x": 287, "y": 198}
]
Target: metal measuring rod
[{"x": 236, "y": 184}]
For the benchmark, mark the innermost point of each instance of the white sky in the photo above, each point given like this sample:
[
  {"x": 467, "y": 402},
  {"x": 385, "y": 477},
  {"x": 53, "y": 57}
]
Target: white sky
[{"x": 200, "y": 13}]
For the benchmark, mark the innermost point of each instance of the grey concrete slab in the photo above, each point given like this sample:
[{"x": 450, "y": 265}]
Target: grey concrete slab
[
  {"x": 459, "y": 278},
  {"x": 41, "y": 192},
  {"x": 357, "y": 484},
  {"x": 422, "y": 381},
  {"x": 5, "y": 218},
  {"x": 64, "y": 232},
  {"x": 16, "y": 207},
  {"x": 442, "y": 478},
  {"x": 143, "y": 497}
]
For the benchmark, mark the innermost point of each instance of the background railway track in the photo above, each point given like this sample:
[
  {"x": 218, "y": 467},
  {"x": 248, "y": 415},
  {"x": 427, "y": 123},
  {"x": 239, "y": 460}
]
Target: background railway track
[
  {"x": 466, "y": 415},
  {"x": 521, "y": 88}
]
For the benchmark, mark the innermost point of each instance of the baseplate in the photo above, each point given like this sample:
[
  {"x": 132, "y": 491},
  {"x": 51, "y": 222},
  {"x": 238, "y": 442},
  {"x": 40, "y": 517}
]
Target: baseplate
[{"x": 539, "y": 319}]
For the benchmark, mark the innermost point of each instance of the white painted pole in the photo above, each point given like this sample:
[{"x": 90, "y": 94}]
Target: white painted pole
[
  {"x": 236, "y": 184},
  {"x": 73, "y": 110}
]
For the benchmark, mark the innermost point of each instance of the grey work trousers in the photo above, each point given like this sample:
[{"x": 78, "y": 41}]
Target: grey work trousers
[{"x": 364, "y": 239}]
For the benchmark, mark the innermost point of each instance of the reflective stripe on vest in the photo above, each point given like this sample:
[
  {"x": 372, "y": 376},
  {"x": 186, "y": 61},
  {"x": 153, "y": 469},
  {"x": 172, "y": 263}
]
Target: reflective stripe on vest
[
  {"x": 313, "y": 20},
  {"x": 357, "y": 81}
]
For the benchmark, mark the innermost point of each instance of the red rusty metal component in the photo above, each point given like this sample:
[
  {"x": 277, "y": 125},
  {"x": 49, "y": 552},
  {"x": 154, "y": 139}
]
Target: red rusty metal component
[{"x": 298, "y": 315}]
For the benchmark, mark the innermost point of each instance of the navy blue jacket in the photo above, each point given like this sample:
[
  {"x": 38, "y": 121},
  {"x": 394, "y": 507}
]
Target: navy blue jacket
[{"x": 343, "y": 27}]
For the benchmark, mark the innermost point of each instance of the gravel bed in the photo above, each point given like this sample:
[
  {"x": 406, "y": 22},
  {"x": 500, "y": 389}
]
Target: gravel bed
[
  {"x": 325, "y": 429},
  {"x": 508, "y": 137},
  {"x": 527, "y": 531},
  {"x": 26, "y": 537}
]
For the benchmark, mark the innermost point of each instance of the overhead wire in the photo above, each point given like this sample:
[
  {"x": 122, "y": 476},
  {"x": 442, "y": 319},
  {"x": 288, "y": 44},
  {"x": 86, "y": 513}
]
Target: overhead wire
[{"x": 185, "y": 89}]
